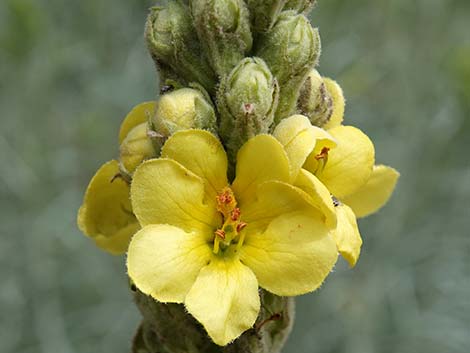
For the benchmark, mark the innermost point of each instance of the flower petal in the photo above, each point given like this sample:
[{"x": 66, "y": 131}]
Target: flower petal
[
  {"x": 106, "y": 213},
  {"x": 347, "y": 234},
  {"x": 165, "y": 192},
  {"x": 375, "y": 193},
  {"x": 349, "y": 164},
  {"x": 141, "y": 113},
  {"x": 319, "y": 194},
  {"x": 274, "y": 199},
  {"x": 202, "y": 153},
  {"x": 224, "y": 299},
  {"x": 296, "y": 135},
  {"x": 260, "y": 159},
  {"x": 163, "y": 261},
  {"x": 119, "y": 242},
  {"x": 293, "y": 256}
]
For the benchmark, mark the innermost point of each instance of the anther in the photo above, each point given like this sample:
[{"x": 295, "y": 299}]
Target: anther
[
  {"x": 240, "y": 226},
  {"x": 235, "y": 214},
  {"x": 323, "y": 153},
  {"x": 220, "y": 233}
]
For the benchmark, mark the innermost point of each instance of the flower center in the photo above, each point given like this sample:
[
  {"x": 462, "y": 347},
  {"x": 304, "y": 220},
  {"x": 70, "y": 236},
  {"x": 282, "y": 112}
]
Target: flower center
[{"x": 231, "y": 230}]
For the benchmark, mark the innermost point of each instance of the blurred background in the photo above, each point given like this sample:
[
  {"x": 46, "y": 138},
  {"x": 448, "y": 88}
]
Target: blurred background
[{"x": 70, "y": 71}]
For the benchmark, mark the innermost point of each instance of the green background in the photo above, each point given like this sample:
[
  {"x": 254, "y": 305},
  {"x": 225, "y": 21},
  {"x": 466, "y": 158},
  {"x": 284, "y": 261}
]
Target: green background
[{"x": 71, "y": 70}]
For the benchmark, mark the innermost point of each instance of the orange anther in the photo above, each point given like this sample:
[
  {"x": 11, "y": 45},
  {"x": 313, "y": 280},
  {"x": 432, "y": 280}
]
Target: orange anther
[
  {"x": 323, "y": 153},
  {"x": 220, "y": 233},
  {"x": 240, "y": 226}
]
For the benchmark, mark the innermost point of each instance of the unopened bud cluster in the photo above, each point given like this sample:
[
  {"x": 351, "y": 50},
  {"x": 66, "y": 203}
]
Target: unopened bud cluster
[{"x": 253, "y": 62}]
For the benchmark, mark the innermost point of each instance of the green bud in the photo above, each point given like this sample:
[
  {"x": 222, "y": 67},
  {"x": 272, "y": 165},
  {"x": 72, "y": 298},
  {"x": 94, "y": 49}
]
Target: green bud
[
  {"x": 137, "y": 147},
  {"x": 315, "y": 101},
  {"x": 290, "y": 49},
  {"x": 292, "y": 46},
  {"x": 300, "y": 5},
  {"x": 264, "y": 13},
  {"x": 184, "y": 108},
  {"x": 173, "y": 44},
  {"x": 223, "y": 27},
  {"x": 247, "y": 99}
]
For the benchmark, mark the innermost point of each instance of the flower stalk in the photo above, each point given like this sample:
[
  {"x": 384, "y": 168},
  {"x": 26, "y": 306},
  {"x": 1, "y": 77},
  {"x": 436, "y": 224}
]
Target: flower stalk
[{"x": 242, "y": 153}]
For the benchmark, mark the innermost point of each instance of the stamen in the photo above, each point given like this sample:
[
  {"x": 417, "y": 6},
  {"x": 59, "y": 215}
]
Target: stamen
[
  {"x": 322, "y": 159},
  {"x": 216, "y": 245},
  {"x": 323, "y": 153},
  {"x": 240, "y": 226},
  {"x": 241, "y": 240},
  {"x": 220, "y": 233},
  {"x": 235, "y": 214},
  {"x": 232, "y": 226}
]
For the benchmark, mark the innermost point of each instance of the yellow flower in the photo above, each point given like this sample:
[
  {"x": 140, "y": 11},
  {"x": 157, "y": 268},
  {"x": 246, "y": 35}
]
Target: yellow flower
[
  {"x": 210, "y": 244},
  {"x": 106, "y": 214},
  {"x": 342, "y": 159}
]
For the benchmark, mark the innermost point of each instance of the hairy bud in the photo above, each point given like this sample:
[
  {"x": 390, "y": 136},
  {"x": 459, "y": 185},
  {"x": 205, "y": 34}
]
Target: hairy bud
[
  {"x": 290, "y": 49},
  {"x": 184, "y": 108},
  {"x": 223, "y": 26},
  {"x": 315, "y": 102},
  {"x": 264, "y": 13},
  {"x": 337, "y": 97},
  {"x": 173, "y": 44},
  {"x": 247, "y": 99},
  {"x": 136, "y": 147},
  {"x": 300, "y": 5}
]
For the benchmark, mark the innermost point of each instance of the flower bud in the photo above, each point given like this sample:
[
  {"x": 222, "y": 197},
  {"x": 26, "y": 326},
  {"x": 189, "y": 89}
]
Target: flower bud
[
  {"x": 184, "y": 108},
  {"x": 315, "y": 101},
  {"x": 247, "y": 99},
  {"x": 136, "y": 147},
  {"x": 292, "y": 46},
  {"x": 223, "y": 27},
  {"x": 300, "y": 5},
  {"x": 264, "y": 13},
  {"x": 290, "y": 49},
  {"x": 173, "y": 44},
  {"x": 336, "y": 94}
]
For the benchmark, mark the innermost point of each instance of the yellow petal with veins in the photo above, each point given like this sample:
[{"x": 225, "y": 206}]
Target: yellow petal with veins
[
  {"x": 164, "y": 261},
  {"x": 165, "y": 192},
  {"x": 375, "y": 193},
  {"x": 202, "y": 153},
  {"x": 293, "y": 256},
  {"x": 350, "y": 164},
  {"x": 347, "y": 234},
  {"x": 224, "y": 299},
  {"x": 141, "y": 113},
  {"x": 106, "y": 214},
  {"x": 260, "y": 159}
]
